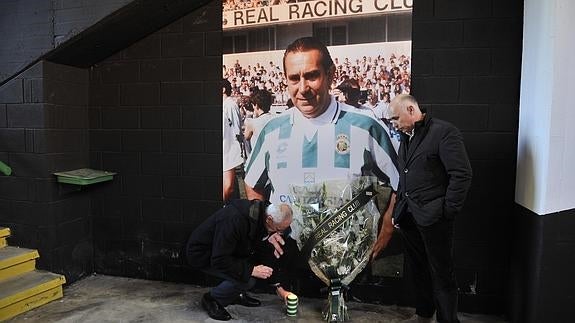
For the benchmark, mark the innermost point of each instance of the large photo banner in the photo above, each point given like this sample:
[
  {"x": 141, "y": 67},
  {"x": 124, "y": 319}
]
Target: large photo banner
[
  {"x": 301, "y": 121},
  {"x": 369, "y": 42}
]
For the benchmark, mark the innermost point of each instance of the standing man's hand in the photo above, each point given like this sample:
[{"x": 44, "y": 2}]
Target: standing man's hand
[
  {"x": 262, "y": 272},
  {"x": 385, "y": 231},
  {"x": 277, "y": 241}
]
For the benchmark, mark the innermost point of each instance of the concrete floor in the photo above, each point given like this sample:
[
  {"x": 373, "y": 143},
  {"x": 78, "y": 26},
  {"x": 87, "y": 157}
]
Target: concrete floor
[{"x": 99, "y": 299}]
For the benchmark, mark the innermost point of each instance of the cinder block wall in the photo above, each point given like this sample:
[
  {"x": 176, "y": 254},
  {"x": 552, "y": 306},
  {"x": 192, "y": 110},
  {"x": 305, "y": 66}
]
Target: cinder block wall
[
  {"x": 43, "y": 129},
  {"x": 155, "y": 118},
  {"x": 542, "y": 284},
  {"x": 31, "y": 28},
  {"x": 466, "y": 69}
]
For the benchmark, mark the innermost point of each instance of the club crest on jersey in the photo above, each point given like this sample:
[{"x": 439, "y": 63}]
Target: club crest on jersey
[
  {"x": 309, "y": 178},
  {"x": 342, "y": 144},
  {"x": 282, "y": 147}
]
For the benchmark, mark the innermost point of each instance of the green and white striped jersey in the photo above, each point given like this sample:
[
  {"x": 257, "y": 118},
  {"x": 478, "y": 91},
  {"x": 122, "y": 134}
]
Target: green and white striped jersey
[
  {"x": 231, "y": 127},
  {"x": 339, "y": 144}
]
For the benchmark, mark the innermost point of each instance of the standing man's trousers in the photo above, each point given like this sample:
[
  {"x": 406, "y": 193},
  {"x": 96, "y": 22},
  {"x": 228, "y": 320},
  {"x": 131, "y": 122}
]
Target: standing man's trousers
[{"x": 429, "y": 256}]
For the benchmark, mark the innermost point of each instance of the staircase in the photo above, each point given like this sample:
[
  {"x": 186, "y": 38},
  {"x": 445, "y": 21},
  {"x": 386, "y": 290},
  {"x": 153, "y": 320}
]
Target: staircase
[{"x": 22, "y": 287}]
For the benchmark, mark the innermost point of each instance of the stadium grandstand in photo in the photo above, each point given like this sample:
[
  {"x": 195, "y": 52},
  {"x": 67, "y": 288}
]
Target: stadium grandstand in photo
[{"x": 370, "y": 41}]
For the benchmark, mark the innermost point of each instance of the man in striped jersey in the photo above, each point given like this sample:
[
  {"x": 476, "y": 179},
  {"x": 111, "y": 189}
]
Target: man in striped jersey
[
  {"x": 320, "y": 140},
  {"x": 231, "y": 145}
]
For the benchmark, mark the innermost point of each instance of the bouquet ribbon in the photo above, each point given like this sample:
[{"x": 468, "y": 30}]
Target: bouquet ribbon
[{"x": 337, "y": 219}]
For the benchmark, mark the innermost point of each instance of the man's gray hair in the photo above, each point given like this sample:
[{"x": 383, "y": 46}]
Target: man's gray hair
[
  {"x": 278, "y": 212},
  {"x": 406, "y": 100}
]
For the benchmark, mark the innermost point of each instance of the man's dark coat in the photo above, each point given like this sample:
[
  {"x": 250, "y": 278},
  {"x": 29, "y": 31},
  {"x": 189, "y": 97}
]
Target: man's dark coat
[
  {"x": 435, "y": 173},
  {"x": 225, "y": 241}
]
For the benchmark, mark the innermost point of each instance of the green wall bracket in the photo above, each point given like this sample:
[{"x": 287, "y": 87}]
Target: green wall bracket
[
  {"x": 5, "y": 169},
  {"x": 84, "y": 176}
]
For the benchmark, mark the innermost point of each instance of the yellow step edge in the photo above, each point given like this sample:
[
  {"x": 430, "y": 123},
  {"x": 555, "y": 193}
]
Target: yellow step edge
[
  {"x": 30, "y": 303},
  {"x": 10, "y": 256},
  {"x": 4, "y": 232},
  {"x": 21, "y": 287},
  {"x": 17, "y": 269},
  {"x": 3, "y": 242}
]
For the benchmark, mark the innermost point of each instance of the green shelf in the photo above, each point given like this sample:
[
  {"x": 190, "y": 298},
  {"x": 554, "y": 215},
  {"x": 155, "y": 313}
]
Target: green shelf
[{"x": 84, "y": 176}]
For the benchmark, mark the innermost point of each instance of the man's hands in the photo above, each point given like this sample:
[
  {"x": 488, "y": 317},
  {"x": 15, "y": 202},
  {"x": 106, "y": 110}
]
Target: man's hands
[
  {"x": 277, "y": 241},
  {"x": 262, "y": 272},
  {"x": 385, "y": 230}
]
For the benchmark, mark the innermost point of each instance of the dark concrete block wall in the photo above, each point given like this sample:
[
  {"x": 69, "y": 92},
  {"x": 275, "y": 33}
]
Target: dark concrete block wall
[
  {"x": 26, "y": 32},
  {"x": 155, "y": 118},
  {"x": 31, "y": 28},
  {"x": 43, "y": 129},
  {"x": 541, "y": 284},
  {"x": 466, "y": 69},
  {"x": 71, "y": 17}
]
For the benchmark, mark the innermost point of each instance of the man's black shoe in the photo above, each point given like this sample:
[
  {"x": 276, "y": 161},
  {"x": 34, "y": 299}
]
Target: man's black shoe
[
  {"x": 245, "y": 300},
  {"x": 215, "y": 310}
]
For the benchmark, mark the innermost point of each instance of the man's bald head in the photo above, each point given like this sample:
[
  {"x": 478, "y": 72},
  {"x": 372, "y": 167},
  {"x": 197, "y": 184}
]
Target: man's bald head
[
  {"x": 404, "y": 100},
  {"x": 278, "y": 217},
  {"x": 404, "y": 112}
]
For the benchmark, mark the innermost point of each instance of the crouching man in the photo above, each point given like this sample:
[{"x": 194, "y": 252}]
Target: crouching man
[{"x": 225, "y": 246}]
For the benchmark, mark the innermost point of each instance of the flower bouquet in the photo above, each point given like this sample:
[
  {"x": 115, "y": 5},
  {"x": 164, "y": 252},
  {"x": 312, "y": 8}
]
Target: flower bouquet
[{"x": 335, "y": 225}]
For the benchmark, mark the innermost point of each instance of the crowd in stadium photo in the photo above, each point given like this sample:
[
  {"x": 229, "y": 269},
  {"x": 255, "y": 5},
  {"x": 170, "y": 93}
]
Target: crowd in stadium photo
[{"x": 379, "y": 78}]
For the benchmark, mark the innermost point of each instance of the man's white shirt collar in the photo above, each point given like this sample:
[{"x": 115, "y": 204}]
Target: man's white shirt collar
[{"x": 330, "y": 115}]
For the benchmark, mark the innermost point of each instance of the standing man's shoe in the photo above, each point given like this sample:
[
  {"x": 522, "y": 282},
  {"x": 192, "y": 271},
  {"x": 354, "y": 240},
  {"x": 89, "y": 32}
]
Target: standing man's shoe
[
  {"x": 245, "y": 300},
  {"x": 215, "y": 310}
]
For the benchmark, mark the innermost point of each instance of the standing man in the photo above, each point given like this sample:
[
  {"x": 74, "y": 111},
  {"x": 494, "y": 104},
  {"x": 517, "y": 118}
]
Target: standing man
[
  {"x": 226, "y": 245},
  {"x": 261, "y": 101},
  {"x": 435, "y": 175},
  {"x": 231, "y": 139},
  {"x": 321, "y": 139}
]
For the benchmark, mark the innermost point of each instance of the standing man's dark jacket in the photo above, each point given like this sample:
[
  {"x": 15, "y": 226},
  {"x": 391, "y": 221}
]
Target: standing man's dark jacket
[
  {"x": 225, "y": 241},
  {"x": 435, "y": 173}
]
